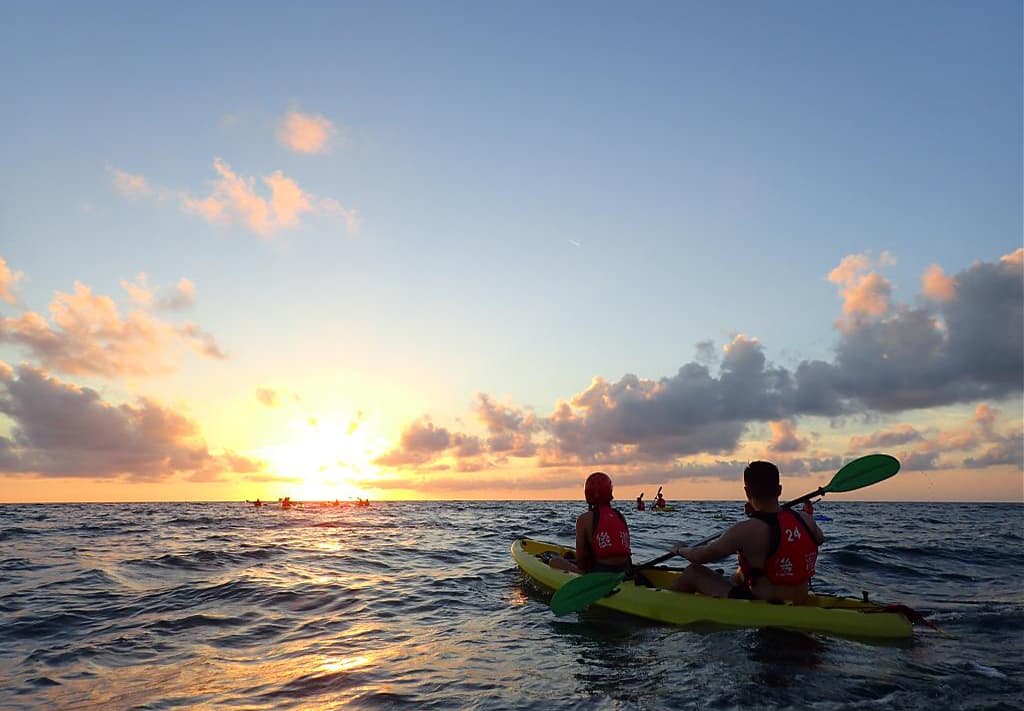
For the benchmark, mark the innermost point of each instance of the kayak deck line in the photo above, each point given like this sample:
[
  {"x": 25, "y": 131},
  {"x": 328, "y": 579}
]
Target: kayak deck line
[{"x": 827, "y": 614}]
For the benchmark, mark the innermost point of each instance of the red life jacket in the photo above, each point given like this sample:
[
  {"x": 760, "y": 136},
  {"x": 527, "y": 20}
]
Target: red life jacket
[
  {"x": 792, "y": 551},
  {"x": 611, "y": 534}
]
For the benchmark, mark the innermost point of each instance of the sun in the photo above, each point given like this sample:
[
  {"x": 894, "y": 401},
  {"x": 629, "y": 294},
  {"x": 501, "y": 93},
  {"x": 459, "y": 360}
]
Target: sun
[{"x": 328, "y": 460}]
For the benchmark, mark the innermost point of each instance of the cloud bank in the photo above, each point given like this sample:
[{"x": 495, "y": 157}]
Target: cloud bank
[
  {"x": 62, "y": 430},
  {"x": 87, "y": 335},
  {"x": 961, "y": 342}
]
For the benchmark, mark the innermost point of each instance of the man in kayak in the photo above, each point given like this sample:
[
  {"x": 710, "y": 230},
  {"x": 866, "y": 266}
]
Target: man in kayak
[
  {"x": 659, "y": 502},
  {"x": 602, "y": 536},
  {"x": 640, "y": 506},
  {"x": 777, "y": 548}
]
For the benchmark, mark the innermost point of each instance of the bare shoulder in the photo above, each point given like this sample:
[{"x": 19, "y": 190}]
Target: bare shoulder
[
  {"x": 741, "y": 530},
  {"x": 584, "y": 519},
  {"x": 750, "y": 529}
]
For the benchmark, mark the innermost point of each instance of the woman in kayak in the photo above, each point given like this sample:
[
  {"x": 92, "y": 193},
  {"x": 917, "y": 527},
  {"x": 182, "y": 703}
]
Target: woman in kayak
[
  {"x": 777, "y": 548},
  {"x": 602, "y": 536}
]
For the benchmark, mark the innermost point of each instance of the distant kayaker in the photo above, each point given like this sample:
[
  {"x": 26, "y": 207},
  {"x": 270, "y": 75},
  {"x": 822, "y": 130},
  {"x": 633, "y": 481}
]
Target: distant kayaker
[
  {"x": 659, "y": 502},
  {"x": 602, "y": 535},
  {"x": 777, "y": 548},
  {"x": 640, "y": 505},
  {"x": 257, "y": 503}
]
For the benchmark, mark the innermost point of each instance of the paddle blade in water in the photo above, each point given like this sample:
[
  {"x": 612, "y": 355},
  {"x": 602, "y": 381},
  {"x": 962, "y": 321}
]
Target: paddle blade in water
[
  {"x": 862, "y": 472},
  {"x": 580, "y": 592}
]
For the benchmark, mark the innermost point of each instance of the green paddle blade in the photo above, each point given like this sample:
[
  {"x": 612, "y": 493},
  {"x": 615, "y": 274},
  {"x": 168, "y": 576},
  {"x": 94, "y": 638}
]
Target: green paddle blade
[
  {"x": 582, "y": 591},
  {"x": 862, "y": 472}
]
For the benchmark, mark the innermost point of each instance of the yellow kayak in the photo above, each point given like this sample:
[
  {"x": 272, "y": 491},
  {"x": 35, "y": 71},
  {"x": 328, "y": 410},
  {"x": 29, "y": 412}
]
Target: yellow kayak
[{"x": 822, "y": 613}]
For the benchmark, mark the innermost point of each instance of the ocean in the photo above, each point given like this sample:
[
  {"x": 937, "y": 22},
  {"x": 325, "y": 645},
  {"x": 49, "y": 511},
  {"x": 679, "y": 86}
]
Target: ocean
[{"x": 418, "y": 605}]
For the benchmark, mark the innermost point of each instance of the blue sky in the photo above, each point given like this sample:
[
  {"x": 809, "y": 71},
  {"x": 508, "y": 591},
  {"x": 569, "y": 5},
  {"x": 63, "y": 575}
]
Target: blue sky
[{"x": 544, "y": 194}]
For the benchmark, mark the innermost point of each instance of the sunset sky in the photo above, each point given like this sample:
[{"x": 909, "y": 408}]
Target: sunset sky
[{"x": 476, "y": 251}]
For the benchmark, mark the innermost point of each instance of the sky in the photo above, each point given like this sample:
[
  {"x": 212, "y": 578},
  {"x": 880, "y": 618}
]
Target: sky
[{"x": 461, "y": 250}]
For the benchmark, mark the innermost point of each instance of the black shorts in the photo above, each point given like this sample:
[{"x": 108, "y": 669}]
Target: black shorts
[{"x": 740, "y": 592}]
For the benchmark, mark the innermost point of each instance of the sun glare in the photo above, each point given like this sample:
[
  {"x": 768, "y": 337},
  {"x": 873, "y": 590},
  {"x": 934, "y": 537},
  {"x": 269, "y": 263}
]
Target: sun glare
[{"x": 328, "y": 460}]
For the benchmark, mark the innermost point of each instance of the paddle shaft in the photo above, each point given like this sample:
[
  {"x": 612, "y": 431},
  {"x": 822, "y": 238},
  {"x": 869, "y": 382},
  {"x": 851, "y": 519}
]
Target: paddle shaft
[{"x": 788, "y": 505}]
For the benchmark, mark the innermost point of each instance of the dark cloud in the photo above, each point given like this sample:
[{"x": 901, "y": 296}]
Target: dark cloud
[
  {"x": 957, "y": 345},
  {"x": 967, "y": 348},
  {"x": 919, "y": 462},
  {"x": 900, "y": 434},
  {"x": 59, "y": 429},
  {"x": 421, "y": 442},
  {"x": 1009, "y": 451}
]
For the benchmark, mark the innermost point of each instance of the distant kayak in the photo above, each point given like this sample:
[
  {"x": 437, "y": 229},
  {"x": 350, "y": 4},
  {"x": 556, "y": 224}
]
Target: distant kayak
[
  {"x": 822, "y": 517},
  {"x": 665, "y": 509},
  {"x": 822, "y": 613}
]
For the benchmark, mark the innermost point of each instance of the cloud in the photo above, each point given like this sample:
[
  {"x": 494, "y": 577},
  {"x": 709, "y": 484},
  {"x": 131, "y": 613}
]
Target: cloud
[
  {"x": 784, "y": 437},
  {"x": 306, "y": 133},
  {"x": 267, "y": 396},
  {"x": 89, "y": 336},
  {"x": 866, "y": 294},
  {"x": 421, "y": 441},
  {"x": 961, "y": 350},
  {"x": 62, "y": 430},
  {"x": 8, "y": 281},
  {"x": 936, "y": 285},
  {"x": 131, "y": 185},
  {"x": 966, "y": 349},
  {"x": 977, "y": 443},
  {"x": 181, "y": 297},
  {"x": 234, "y": 199},
  {"x": 901, "y": 434}
]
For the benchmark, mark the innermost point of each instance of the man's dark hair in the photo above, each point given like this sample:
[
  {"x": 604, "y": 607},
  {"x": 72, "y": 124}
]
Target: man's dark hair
[{"x": 761, "y": 479}]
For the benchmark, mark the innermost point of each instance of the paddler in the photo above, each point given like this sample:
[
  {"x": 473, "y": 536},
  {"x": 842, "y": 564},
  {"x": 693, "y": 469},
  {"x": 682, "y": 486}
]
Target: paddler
[
  {"x": 640, "y": 505},
  {"x": 777, "y": 548},
  {"x": 602, "y": 536},
  {"x": 659, "y": 502}
]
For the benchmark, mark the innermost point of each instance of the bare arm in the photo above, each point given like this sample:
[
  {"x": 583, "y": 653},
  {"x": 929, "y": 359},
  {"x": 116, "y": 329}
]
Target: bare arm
[
  {"x": 583, "y": 556},
  {"x": 722, "y": 547},
  {"x": 812, "y": 526}
]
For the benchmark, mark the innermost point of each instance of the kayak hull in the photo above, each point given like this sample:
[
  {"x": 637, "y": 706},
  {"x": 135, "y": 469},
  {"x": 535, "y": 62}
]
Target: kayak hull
[{"x": 823, "y": 613}]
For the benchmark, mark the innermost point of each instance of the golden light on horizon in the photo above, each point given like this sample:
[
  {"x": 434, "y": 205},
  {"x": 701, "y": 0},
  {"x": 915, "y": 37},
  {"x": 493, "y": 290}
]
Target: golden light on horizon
[{"x": 326, "y": 458}]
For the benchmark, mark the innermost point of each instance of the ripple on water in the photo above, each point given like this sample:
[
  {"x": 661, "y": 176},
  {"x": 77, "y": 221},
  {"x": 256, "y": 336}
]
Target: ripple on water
[{"x": 418, "y": 605}]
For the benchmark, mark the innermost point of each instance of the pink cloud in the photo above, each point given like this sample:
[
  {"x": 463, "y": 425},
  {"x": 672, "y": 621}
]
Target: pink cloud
[
  {"x": 936, "y": 285},
  {"x": 1014, "y": 259},
  {"x": 88, "y": 336},
  {"x": 131, "y": 185},
  {"x": 900, "y": 434},
  {"x": 234, "y": 199},
  {"x": 306, "y": 133},
  {"x": 182, "y": 296},
  {"x": 784, "y": 437},
  {"x": 8, "y": 280},
  {"x": 866, "y": 294}
]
